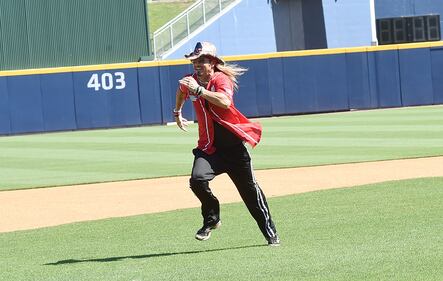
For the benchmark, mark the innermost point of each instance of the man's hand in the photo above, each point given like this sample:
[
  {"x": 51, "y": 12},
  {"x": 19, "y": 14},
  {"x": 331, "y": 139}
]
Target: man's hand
[
  {"x": 190, "y": 83},
  {"x": 182, "y": 123}
]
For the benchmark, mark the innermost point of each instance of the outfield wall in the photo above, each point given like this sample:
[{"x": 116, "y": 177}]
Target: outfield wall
[{"x": 119, "y": 95}]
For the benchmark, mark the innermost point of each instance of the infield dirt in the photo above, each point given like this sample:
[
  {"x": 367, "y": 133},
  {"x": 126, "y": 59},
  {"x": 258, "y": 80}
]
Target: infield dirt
[{"x": 36, "y": 208}]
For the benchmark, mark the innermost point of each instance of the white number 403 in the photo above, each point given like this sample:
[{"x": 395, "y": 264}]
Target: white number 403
[{"x": 107, "y": 81}]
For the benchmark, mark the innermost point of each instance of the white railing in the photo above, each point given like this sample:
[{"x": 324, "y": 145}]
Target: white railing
[{"x": 179, "y": 28}]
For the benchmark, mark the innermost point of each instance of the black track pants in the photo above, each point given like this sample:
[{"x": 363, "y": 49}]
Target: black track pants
[{"x": 236, "y": 162}]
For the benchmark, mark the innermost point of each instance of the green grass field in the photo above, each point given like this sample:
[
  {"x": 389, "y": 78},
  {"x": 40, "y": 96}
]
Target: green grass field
[
  {"x": 160, "y": 13},
  {"x": 157, "y": 151},
  {"x": 389, "y": 231}
]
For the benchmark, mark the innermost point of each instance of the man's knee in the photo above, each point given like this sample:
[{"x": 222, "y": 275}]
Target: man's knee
[
  {"x": 201, "y": 190},
  {"x": 202, "y": 175},
  {"x": 196, "y": 184}
]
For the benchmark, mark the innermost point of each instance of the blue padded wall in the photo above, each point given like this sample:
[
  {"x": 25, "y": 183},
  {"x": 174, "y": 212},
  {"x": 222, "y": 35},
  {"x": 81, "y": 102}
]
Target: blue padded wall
[
  {"x": 372, "y": 79},
  {"x": 276, "y": 86},
  {"x": 124, "y": 105},
  {"x": 261, "y": 83},
  {"x": 25, "y": 101},
  {"x": 107, "y": 108},
  {"x": 416, "y": 77},
  {"x": 303, "y": 83},
  {"x": 299, "y": 85},
  {"x": 5, "y": 122},
  {"x": 357, "y": 73},
  {"x": 331, "y": 86},
  {"x": 315, "y": 84},
  {"x": 386, "y": 78},
  {"x": 58, "y": 101},
  {"x": 245, "y": 98},
  {"x": 252, "y": 98},
  {"x": 91, "y": 107},
  {"x": 437, "y": 73},
  {"x": 150, "y": 95}
]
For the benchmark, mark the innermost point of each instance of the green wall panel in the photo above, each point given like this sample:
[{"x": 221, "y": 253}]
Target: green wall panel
[
  {"x": 51, "y": 33},
  {"x": 14, "y": 39}
]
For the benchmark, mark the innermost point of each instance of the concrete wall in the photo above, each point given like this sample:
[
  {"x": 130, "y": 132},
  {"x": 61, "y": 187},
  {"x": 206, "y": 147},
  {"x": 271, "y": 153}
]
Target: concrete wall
[
  {"x": 347, "y": 22},
  {"x": 299, "y": 25},
  {"x": 260, "y": 26},
  {"x": 245, "y": 29}
]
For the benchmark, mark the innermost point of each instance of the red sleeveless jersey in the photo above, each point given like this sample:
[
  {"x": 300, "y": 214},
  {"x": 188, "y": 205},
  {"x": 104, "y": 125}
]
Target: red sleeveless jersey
[{"x": 230, "y": 118}]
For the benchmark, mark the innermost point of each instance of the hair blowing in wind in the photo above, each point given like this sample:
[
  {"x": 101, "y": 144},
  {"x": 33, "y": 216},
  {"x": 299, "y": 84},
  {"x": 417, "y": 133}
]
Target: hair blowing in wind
[{"x": 233, "y": 71}]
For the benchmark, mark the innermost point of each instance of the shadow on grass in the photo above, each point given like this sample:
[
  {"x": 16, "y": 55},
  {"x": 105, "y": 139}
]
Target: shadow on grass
[{"x": 112, "y": 259}]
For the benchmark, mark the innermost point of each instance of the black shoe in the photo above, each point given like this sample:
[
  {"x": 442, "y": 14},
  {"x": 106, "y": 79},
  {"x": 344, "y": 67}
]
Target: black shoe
[
  {"x": 205, "y": 232},
  {"x": 274, "y": 241}
]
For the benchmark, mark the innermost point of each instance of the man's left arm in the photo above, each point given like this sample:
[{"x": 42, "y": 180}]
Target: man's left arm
[{"x": 221, "y": 99}]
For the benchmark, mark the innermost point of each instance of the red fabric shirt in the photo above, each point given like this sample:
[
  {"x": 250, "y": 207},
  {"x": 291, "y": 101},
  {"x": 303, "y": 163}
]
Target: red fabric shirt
[{"x": 230, "y": 118}]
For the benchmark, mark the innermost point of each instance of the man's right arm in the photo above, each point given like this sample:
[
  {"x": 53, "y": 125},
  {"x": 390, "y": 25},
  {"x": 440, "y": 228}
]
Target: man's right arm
[{"x": 179, "y": 101}]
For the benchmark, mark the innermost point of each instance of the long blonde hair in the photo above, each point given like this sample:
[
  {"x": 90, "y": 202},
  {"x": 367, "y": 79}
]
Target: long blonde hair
[{"x": 233, "y": 71}]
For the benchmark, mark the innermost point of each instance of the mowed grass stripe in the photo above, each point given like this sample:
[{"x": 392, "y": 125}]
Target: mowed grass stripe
[
  {"x": 93, "y": 156},
  {"x": 346, "y": 142},
  {"x": 159, "y": 151},
  {"x": 352, "y": 137},
  {"x": 387, "y": 231},
  {"x": 67, "y": 171},
  {"x": 20, "y": 177}
]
